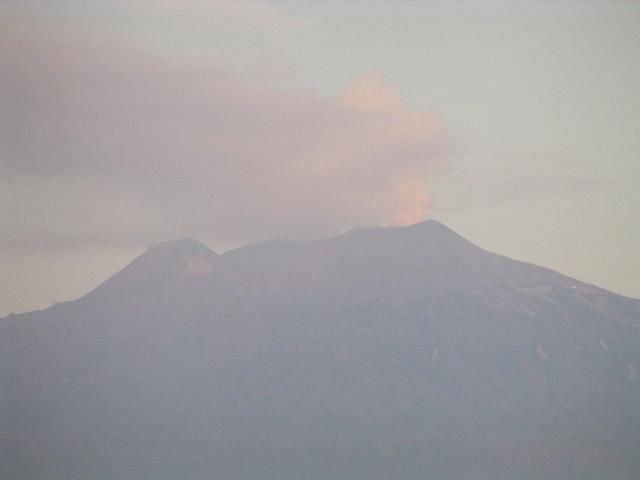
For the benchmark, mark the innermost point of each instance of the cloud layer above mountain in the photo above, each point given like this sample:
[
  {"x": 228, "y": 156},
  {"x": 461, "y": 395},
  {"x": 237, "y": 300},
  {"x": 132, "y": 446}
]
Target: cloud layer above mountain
[{"x": 102, "y": 138}]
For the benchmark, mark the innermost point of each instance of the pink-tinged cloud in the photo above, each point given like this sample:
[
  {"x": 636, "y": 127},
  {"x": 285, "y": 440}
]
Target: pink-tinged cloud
[{"x": 196, "y": 148}]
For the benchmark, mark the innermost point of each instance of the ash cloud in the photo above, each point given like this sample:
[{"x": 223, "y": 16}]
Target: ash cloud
[{"x": 100, "y": 138}]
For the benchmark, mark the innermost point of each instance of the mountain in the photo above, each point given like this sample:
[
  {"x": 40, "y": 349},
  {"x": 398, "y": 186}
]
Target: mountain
[{"x": 383, "y": 353}]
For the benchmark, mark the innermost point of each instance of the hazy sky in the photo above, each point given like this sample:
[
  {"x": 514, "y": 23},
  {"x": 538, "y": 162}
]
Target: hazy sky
[{"x": 123, "y": 123}]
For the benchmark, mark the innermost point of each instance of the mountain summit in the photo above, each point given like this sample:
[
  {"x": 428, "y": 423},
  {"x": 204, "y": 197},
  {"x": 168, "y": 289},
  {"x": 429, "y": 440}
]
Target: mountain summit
[{"x": 383, "y": 353}]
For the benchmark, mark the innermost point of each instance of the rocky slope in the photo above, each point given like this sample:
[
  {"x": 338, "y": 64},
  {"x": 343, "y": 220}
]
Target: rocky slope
[{"x": 384, "y": 353}]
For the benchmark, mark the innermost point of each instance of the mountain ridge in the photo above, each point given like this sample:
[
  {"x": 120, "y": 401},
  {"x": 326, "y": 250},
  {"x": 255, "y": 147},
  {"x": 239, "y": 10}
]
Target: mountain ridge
[
  {"x": 173, "y": 254},
  {"x": 385, "y": 353}
]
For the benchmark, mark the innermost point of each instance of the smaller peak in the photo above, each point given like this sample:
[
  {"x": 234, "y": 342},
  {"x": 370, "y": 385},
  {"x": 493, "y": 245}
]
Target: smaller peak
[
  {"x": 430, "y": 225},
  {"x": 160, "y": 264},
  {"x": 183, "y": 245}
]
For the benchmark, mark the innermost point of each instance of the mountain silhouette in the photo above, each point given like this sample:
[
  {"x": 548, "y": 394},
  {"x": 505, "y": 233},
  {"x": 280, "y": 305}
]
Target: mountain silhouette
[{"x": 383, "y": 353}]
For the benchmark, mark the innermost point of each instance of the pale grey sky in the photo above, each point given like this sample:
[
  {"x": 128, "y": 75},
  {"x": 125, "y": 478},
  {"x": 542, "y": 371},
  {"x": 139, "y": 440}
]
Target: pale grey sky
[{"x": 128, "y": 122}]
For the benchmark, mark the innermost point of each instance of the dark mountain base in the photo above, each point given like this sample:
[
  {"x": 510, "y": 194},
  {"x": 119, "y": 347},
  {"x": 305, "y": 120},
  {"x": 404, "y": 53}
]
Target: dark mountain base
[{"x": 381, "y": 354}]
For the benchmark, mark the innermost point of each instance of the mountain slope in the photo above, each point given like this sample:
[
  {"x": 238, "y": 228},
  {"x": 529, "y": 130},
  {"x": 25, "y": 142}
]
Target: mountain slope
[{"x": 381, "y": 353}]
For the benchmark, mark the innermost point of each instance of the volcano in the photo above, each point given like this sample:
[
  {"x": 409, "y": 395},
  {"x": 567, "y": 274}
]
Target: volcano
[{"x": 383, "y": 353}]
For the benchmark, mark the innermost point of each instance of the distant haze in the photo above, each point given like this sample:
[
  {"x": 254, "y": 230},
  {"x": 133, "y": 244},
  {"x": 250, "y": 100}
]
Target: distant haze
[{"x": 126, "y": 123}]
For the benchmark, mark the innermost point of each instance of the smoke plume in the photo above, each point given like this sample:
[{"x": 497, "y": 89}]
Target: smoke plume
[{"x": 159, "y": 147}]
